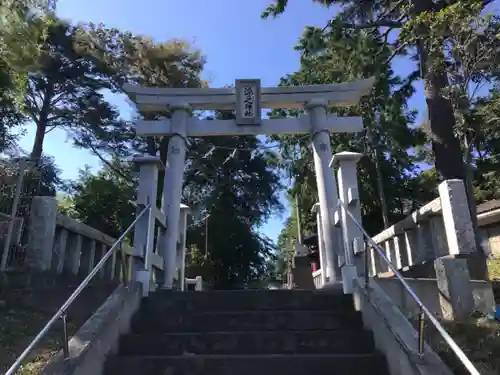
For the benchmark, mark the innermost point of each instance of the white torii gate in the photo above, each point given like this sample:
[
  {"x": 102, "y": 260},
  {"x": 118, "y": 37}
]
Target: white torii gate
[{"x": 247, "y": 98}]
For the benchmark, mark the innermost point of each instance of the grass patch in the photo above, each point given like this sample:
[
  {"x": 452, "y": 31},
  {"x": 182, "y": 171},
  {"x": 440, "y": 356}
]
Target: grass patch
[
  {"x": 478, "y": 337},
  {"x": 23, "y": 314},
  {"x": 480, "y": 341},
  {"x": 18, "y": 327},
  {"x": 494, "y": 269}
]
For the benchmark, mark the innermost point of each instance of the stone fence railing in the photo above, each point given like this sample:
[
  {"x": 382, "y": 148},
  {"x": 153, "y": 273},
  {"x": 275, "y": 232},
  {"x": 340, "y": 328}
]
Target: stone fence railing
[
  {"x": 411, "y": 241},
  {"x": 441, "y": 228},
  {"x": 435, "y": 242},
  {"x": 64, "y": 245}
]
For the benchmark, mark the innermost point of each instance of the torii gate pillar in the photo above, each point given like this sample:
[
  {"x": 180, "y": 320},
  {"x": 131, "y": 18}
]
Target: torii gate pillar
[
  {"x": 326, "y": 183},
  {"x": 172, "y": 191}
]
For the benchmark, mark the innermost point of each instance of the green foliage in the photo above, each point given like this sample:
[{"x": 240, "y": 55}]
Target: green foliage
[
  {"x": 23, "y": 27},
  {"x": 456, "y": 49},
  {"x": 136, "y": 59},
  {"x": 66, "y": 89},
  {"x": 420, "y": 31},
  {"x": 387, "y": 138},
  {"x": 66, "y": 206},
  {"x": 103, "y": 200},
  {"x": 239, "y": 191}
]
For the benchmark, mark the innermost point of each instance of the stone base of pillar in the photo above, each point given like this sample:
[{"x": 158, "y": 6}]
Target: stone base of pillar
[
  {"x": 302, "y": 274},
  {"x": 455, "y": 290},
  {"x": 334, "y": 288},
  {"x": 169, "y": 288},
  {"x": 41, "y": 233},
  {"x": 144, "y": 277},
  {"x": 478, "y": 266},
  {"x": 349, "y": 274}
]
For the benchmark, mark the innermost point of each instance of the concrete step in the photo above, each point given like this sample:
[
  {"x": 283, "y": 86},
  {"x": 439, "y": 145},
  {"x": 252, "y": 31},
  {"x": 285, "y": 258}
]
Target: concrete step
[
  {"x": 235, "y": 300},
  {"x": 362, "y": 364},
  {"x": 355, "y": 341},
  {"x": 251, "y": 321}
]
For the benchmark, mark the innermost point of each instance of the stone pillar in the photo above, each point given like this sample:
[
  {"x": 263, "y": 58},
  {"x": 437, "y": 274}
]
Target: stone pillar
[
  {"x": 321, "y": 243},
  {"x": 172, "y": 189},
  {"x": 145, "y": 228},
  {"x": 182, "y": 253},
  {"x": 325, "y": 180},
  {"x": 73, "y": 254},
  {"x": 301, "y": 269},
  {"x": 352, "y": 235},
  {"x": 460, "y": 234},
  {"x": 455, "y": 289},
  {"x": 41, "y": 233},
  {"x": 454, "y": 274},
  {"x": 456, "y": 218},
  {"x": 59, "y": 252}
]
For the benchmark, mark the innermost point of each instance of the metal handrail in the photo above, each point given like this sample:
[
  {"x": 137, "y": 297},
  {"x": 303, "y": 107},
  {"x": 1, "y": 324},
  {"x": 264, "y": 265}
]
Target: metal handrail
[
  {"x": 61, "y": 313},
  {"x": 423, "y": 309}
]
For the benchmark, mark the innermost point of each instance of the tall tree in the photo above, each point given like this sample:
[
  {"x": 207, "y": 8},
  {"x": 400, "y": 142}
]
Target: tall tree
[
  {"x": 65, "y": 90},
  {"x": 386, "y": 117},
  {"x": 137, "y": 59},
  {"x": 23, "y": 27},
  {"x": 428, "y": 32},
  {"x": 231, "y": 179},
  {"x": 412, "y": 38}
]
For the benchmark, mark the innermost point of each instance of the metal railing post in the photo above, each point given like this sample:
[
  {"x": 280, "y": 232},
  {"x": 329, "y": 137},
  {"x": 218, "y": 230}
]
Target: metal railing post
[
  {"x": 421, "y": 331},
  {"x": 367, "y": 264},
  {"x": 65, "y": 343}
]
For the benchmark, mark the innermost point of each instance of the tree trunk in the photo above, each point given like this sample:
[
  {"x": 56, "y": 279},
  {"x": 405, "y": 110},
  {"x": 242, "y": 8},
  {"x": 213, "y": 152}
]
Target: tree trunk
[
  {"x": 41, "y": 125},
  {"x": 380, "y": 188},
  {"x": 445, "y": 146},
  {"x": 36, "y": 152},
  {"x": 449, "y": 161}
]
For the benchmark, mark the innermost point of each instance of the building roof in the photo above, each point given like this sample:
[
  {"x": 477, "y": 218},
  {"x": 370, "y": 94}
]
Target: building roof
[{"x": 488, "y": 206}]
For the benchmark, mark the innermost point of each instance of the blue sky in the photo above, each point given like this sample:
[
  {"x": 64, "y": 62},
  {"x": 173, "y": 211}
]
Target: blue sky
[{"x": 230, "y": 33}]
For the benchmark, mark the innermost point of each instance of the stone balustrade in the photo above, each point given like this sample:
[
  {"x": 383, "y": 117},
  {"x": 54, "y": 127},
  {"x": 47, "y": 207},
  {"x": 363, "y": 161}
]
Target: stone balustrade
[
  {"x": 64, "y": 245},
  {"x": 416, "y": 239},
  {"x": 197, "y": 282},
  {"x": 436, "y": 241},
  {"x": 60, "y": 244},
  {"x": 441, "y": 228},
  {"x": 318, "y": 278}
]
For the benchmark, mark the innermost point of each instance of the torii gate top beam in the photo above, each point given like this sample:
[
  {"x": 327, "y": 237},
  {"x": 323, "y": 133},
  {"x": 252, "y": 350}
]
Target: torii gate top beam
[{"x": 151, "y": 99}]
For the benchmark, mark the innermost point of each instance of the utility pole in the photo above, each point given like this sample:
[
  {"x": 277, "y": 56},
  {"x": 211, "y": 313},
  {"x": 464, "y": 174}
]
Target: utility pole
[
  {"x": 206, "y": 235},
  {"x": 299, "y": 232},
  {"x": 380, "y": 185}
]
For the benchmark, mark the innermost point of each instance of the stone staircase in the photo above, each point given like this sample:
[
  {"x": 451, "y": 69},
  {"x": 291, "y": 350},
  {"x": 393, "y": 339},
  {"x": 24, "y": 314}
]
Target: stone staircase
[{"x": 246, "y": 333}]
